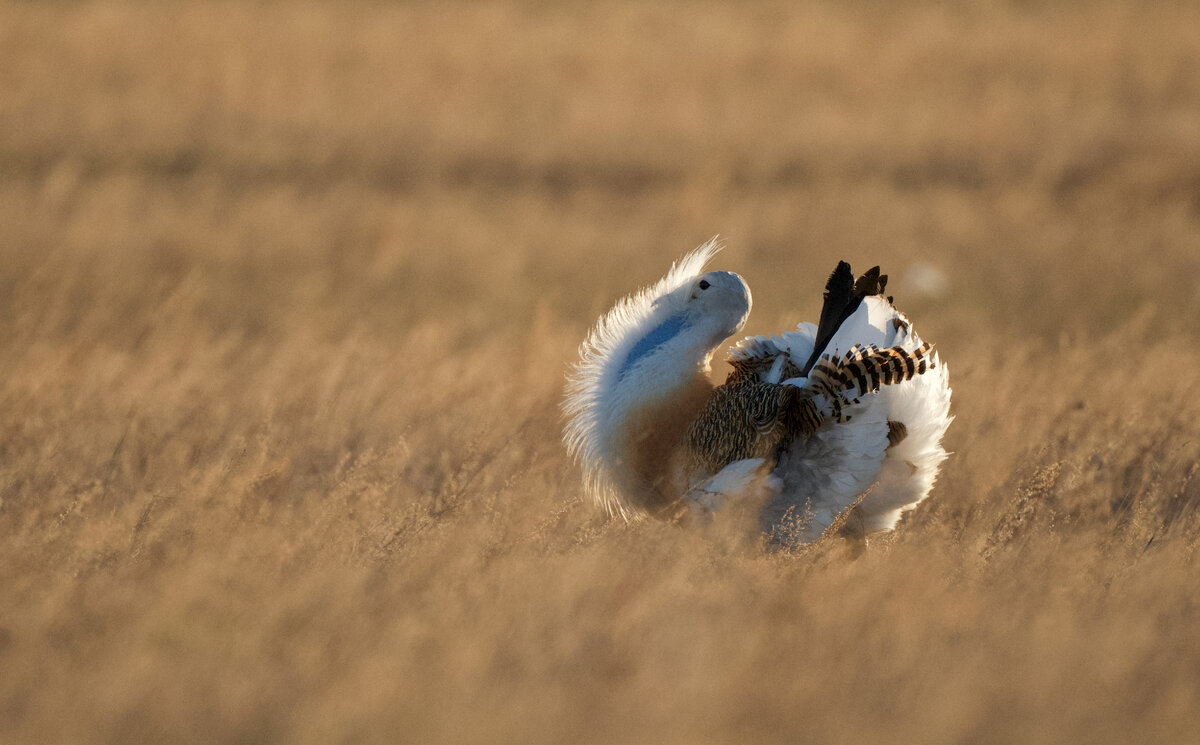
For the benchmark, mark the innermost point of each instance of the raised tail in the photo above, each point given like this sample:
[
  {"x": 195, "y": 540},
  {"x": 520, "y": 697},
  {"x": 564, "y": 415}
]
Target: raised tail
[{"x": 843, "y": 296}]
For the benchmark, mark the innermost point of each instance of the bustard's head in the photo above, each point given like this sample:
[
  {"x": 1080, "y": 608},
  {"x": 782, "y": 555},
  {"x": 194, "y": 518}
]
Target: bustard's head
[{"x": 687, "y": 323}]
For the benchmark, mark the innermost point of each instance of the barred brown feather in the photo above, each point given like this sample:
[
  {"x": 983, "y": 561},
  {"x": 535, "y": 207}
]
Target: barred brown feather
[
  {"x": 745, "y": 368},
  {"x": 862, "y": 371},
  {"x": 741, "y": 420},
  {"x": 749, "y": 418}
]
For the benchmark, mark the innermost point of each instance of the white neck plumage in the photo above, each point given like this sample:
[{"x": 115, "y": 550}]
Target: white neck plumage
[{"x": 640, "y": 360}]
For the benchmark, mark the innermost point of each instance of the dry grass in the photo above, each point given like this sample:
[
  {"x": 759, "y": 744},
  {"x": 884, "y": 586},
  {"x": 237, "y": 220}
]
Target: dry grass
[{"x": 287, "y": 294}]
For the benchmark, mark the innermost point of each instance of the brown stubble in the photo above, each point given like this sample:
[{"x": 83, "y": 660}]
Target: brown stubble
[{"x": 287, "y": 295}]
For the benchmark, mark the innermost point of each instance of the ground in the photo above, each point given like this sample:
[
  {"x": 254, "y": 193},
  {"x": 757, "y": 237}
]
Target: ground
[{"x": 287, "y": 296}]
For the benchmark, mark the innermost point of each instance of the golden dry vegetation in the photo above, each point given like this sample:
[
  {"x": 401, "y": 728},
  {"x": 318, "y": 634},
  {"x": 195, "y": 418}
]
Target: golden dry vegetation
[{"x": 287, "y": 294}]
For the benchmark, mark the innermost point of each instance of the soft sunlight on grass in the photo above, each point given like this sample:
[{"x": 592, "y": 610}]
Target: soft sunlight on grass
[{"x": 287, "y": 295}]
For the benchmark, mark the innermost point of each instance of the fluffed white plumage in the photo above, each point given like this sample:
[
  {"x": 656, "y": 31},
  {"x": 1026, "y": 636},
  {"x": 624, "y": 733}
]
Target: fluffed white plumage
[
  {"x": 602, "y": 397},
  {"x": 827, "y": 473},
  {"x": 642, "y": 382}
]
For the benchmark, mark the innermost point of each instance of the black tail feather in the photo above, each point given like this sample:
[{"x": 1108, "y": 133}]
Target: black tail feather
[
  {"x": 839, "y": 293},
  {"x": 869, "y": 283},
  {"x": 843, "y": 295}
]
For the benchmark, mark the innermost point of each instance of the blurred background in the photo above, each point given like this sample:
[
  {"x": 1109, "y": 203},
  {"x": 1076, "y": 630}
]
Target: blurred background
[
  {"x": 287, "y": 293},
  {"x": 450, "y": 157}
]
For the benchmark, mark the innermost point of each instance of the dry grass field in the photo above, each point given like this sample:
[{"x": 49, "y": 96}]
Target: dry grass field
[{"x": 288, "y": 292}]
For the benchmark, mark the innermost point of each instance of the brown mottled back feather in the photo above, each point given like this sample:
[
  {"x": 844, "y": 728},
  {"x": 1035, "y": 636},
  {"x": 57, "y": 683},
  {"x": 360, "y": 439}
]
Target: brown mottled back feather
[
  {"x": 748, "y": 418},
  {"x": 757, "y": 367}
]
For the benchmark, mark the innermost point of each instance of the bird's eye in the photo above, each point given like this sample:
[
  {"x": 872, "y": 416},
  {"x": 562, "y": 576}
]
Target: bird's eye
[{"x": 704, "y": 284}]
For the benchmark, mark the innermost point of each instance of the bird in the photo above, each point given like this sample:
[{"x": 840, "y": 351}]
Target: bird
[{"x": 836, "y": 427}]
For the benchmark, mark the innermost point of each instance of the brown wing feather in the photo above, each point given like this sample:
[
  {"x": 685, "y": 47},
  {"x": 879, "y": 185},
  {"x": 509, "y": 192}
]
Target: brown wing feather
[{"x": 747, "y": 418}]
